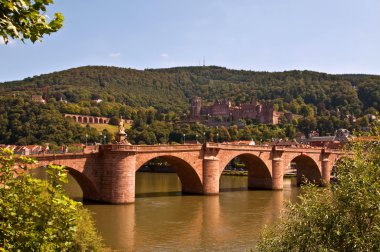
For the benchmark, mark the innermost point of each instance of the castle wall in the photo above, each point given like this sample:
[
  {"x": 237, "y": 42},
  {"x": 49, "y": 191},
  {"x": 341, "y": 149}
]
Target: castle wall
[{"x": 263, "y": 112}]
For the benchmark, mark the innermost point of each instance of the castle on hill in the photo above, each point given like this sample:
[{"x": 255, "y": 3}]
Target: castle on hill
[{"x": 222, "y": 111}]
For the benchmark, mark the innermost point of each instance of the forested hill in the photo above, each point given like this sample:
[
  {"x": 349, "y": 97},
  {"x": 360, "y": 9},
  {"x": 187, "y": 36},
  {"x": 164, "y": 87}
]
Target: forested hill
[{"x": 171, "y": 89}]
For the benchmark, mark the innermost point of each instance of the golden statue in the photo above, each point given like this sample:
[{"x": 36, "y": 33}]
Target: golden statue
[{"x": 121, "y": 126}]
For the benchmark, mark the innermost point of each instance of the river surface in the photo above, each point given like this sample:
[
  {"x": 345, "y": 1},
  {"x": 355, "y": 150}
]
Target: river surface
[{"x": 162, "y": 219}]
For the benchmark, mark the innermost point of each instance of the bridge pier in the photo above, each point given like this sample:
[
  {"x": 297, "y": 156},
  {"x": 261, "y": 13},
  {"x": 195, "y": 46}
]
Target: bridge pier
[
  {"x": 277, "y": 174},
  {"x": 326, "y": 171},
  {"x": 118, "y": 178},
  {"x": 211, "y": 175}
]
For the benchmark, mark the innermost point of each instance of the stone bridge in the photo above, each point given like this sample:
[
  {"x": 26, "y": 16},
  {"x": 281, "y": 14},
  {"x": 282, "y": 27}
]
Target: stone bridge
[
  {"x": 88, "y": 119},
  {"x": 108, "y": 174}
]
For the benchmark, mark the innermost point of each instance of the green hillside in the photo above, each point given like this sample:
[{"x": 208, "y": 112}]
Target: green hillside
[
  {"x": 171, "y": 89},
  {"x": 156, "y": 99}
]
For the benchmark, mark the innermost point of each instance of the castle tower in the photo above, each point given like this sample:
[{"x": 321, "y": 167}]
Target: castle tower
[
  {"x": 268, "y": 115},
  {"x": 196, "y": 106}
]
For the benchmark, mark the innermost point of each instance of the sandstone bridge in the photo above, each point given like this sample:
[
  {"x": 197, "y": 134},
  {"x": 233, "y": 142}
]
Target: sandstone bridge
[{"x": 108, "y": 173}]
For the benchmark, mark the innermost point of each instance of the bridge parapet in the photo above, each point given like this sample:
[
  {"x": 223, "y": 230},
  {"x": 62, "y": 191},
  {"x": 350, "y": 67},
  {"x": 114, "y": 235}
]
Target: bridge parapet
[
  {"x": 54, "y": 156},
  {"x": 118, "y": 147},
  {"x": 152, "y": 148},
  {"x": 241, "y": 147},
  {"x": 91, "y": 149}
]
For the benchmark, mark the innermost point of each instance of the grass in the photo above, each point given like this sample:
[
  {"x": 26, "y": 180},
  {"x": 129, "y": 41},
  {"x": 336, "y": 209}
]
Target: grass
[{"x": 111, "y": 128}]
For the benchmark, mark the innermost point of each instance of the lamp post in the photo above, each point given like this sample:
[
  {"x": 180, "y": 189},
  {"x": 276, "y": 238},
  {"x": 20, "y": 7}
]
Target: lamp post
[
  {"x": 196, "y": 138},
  {"x": 184, "y": 138},
  {"x": 105, "y": 139},
  {"x": 217, "y": 137},
  {"x": 204, "y": 137},
  {"x": 86, "y": 139}
]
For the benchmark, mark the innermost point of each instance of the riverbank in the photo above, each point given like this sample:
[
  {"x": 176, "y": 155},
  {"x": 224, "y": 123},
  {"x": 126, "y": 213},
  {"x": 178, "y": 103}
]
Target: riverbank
[
  {"x": 167, "y": 169},
  {"x": 245, "y": 173}
]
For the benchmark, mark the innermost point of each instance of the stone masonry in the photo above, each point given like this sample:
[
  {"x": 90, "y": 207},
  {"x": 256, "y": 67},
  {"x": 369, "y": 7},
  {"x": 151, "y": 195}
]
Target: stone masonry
[{"x": 108, "y": 175}]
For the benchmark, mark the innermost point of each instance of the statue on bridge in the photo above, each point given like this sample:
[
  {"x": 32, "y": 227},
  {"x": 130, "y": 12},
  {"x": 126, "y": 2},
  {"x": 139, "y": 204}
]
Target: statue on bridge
[
  {"x": 121, "y": 126},
  {"x": 121, "y": 136}
]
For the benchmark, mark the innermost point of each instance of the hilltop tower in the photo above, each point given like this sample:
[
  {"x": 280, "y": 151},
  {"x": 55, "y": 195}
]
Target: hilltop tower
[
  {"x": 268, "y": 115},
  {"x": 196, "y": 106}
]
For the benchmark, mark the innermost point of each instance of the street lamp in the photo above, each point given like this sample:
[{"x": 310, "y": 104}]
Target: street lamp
[
  {"x": 105, "y": 139},
  {"x": 184, "y": 136},
  {"x": 196, "y": 138},
  {"x": 204, "y": 137},
  {"x": 217, "y": 137},
  {"x": 86, "y": 139}
]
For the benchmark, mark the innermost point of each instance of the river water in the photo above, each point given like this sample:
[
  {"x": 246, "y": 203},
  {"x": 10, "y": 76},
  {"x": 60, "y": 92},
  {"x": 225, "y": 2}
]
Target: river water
[{"x": 162, "y": 219}]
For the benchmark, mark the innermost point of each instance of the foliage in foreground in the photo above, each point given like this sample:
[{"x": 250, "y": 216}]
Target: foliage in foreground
[
  {"x": 36, "y": 215},
  {"x": 344, "y": 217},
  {"x": 86, "y": 237},
  {"x": 27, "y": 20}
]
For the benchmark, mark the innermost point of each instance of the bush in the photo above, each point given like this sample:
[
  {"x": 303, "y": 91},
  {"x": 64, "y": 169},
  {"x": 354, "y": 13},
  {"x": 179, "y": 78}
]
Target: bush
[
  {"x": 36, "y": 215},
  {"x": 86, "y": 237},
  {"x": 344, "y": 217}
]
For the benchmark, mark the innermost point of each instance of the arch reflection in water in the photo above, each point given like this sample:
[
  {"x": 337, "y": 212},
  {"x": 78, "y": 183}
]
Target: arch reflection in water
[
  {"x": 116, "y": 224},
  {"x": 162, "y": 219}
]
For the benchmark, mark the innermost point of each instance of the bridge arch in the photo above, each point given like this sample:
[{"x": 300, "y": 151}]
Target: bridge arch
[
  {"x": 88, "y": 187},
  {"x": 307, "y": 169},
  {"x": 189, "y": 177},
  {"x": 259, "y": 175}
]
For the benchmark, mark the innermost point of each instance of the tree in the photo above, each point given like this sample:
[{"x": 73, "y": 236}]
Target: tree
[
  {"x": 344, "y": 217},
  {"x": 36, "y": 215},
  {"x": 26, "y": 20}
]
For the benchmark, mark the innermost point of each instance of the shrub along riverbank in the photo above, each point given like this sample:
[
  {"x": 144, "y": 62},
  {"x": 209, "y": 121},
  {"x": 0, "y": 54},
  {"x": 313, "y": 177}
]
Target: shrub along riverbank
[
  {"x": 36, "y": 215},
  {"x": 342, "y": 217}
]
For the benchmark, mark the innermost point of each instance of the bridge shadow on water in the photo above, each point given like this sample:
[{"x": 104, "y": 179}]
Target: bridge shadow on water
[
  {"x": 159, "y": 194},
  {"x": 233, "y": 189},
  {"x": 179, "y": 193}
]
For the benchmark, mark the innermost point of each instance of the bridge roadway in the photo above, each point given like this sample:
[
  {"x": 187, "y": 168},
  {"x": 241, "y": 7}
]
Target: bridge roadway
[{"x": 107, "y": 173}]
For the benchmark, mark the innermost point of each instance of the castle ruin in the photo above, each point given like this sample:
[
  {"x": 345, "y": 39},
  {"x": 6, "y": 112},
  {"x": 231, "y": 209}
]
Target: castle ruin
[{"x": 223, "y": 111}]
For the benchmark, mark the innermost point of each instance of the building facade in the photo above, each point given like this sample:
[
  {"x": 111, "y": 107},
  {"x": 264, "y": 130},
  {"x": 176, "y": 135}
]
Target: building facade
[
  {"x": 223, "y": 111},
  {"x": 38, "y": 99}
]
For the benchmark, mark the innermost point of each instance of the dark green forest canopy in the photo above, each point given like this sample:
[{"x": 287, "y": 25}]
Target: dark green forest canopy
[
  {"x": 171, "y": 89},
  {"x": 158, "y": 101}
]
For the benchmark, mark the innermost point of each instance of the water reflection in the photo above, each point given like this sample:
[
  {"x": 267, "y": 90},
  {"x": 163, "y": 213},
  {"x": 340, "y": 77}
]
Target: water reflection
[{"x": 164, "y": 220}]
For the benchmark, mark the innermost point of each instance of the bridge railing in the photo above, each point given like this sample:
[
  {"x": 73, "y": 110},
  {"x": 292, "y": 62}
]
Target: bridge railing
[
  {"x": 84, "y": 150},
  {"x": 184, "y": 147},
  {"x": 166, "y": 147},
  {"x": 237, "y": 146},
  {"x": 266, "y": 147}
]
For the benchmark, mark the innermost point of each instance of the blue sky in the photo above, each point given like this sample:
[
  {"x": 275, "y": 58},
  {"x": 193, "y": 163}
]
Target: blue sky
[{"x": 333, "y": 36}]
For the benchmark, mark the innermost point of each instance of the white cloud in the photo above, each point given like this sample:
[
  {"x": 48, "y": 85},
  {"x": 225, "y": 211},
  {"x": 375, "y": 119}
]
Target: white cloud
[
  {"x": 164, "y": 55},
  {"x": 114, "y": 55}
]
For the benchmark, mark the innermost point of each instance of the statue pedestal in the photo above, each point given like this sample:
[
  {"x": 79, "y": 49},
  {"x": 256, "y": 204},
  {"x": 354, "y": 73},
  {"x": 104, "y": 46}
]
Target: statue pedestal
[{"x": 121, "y": 138}]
